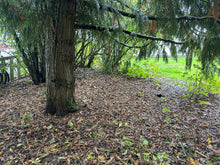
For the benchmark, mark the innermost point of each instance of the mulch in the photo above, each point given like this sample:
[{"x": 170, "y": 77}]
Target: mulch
[{"x": 122, "y": 120}]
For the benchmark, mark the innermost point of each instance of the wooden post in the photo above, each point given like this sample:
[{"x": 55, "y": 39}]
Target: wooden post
[
  {"x": 18, "y": 69},
  {"x": 11, "y": 69},
  {"x": 2, "y": 62}
]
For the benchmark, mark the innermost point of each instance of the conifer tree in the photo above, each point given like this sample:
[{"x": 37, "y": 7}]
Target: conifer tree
[{"x": 153, "y": 25}]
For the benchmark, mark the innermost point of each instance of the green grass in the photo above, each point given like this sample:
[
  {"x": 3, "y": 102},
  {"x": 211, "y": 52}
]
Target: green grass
[{"x": 174, "y": 70}]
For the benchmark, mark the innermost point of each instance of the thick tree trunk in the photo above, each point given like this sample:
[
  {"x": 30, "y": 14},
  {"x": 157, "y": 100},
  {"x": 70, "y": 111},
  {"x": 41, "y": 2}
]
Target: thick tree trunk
[{"x": 60, "y": 60}]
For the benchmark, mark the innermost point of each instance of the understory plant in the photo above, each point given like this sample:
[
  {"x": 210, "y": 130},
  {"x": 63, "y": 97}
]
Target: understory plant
[
  {"x": 198, "y": 85},
  {"x": 143, "y": 152},
  {"x": 138, "y": 70}
]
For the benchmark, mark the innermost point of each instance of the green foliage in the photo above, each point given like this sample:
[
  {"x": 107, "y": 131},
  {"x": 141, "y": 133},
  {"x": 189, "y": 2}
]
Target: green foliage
[
  {"x": 154, "y": 69},
  {"x": 154, "y": 19},
  {"x": 125, "y": 66},
  {"x": 98, "y": 134},
  {"x": 138, "y": 71},
  {"x": 27, "y": 117},
  {"x": 197, "y": 84},
  {"x": 97, "y": 63},
  {"x": 165, "y": 110},
  {"x": 73, "y": 107},
  {"x": 36, "y": 161},
  {"x": 203, "y": 102},
  {"x": 20, "y": 144},
  {"x": 167, "y": 120},
  {"x": 108, "y": 64},
  {"x": 70, "y": 123},
  {"x": 138, "y": 150},
  {"x": 135, "y": 68},
  {"x": 150, "y": 158},
  {"x": 194, "y": 79},
  {"x": 145, "y": 143}
]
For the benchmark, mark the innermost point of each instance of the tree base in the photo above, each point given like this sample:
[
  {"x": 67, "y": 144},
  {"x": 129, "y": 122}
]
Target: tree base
[{"x": 73, "y": 107}]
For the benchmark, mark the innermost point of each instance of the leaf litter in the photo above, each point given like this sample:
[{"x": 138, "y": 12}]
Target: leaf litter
[{"x": 121, "y": 121}]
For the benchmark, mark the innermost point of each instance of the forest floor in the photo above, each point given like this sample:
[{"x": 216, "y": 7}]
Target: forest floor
[{"x": 121, "y": 121}]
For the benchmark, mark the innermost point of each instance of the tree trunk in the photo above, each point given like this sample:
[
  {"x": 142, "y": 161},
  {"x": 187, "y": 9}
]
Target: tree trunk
[
  {"x": 60, "y": 60},
  {"x": 31, "y": 61}
]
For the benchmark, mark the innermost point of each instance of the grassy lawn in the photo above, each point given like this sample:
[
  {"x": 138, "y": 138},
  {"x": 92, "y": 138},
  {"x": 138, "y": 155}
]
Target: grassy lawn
[{"x": 173, "y": 69}]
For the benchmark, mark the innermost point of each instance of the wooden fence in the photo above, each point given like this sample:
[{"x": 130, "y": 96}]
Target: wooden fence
[{"x": 10, "y": 63}]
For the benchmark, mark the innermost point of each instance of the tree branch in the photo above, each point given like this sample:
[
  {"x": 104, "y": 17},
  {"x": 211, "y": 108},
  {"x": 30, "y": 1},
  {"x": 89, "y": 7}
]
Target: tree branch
[
  {"x": 130, "y": 15},
  {"x": 192, "y": 18},
  {"x": 128, "y": 46},
  {"x": 93, "y": 27},
  {"x": 113, "y": 10}
]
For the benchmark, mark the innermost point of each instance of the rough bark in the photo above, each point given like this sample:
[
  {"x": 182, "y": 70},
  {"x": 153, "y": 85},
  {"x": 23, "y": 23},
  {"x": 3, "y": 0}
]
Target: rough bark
[{"x": 60, "y": 60}]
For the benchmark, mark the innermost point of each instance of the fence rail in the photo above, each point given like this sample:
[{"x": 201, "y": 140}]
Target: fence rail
[{"x": 9, "y": 69}]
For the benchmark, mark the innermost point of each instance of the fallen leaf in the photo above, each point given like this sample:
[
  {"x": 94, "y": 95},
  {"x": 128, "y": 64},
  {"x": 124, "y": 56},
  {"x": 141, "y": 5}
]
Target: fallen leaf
[
  {"x": 50, "y": 126},
  {"x": 205, "y": 126},
  {"x": 70, "y": 123},
  {"x": 191, "y": 162},
  {"x": 102, "y": 158},
  {"x": 208, "y": 140},
  {"x": 110, "y": 160}
]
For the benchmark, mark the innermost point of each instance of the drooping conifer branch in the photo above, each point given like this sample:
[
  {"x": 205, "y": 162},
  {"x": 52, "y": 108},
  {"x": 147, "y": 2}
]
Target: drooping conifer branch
[
  {"x": 123, "y": 13},
  {"x": 93, "y": 27},
  {"x": 128, "y": 46},
  {"x": 192, "y": 18},
  {"x": 131, "y": 15}
]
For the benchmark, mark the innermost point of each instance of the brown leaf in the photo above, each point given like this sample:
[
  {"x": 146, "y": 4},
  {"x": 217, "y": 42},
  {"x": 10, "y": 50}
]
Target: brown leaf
[
  {"x": 165, "y": 2},
  {"x": 154, "y": 26},
  {"x": 215, "y": 8},
  {"x": 210, "y": 11},
  {"x": 119, "y": 25}
]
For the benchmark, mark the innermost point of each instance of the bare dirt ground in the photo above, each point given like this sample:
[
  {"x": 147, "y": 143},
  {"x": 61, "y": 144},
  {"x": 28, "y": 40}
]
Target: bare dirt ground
[{"x": 121, "y": 121}]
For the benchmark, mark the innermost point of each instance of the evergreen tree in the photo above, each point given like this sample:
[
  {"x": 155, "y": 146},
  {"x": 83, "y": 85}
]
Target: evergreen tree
[{"x": 178, "y": 24}]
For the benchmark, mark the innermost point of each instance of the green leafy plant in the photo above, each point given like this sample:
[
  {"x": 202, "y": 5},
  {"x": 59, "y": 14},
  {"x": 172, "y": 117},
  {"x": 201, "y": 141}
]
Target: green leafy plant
[
  {"x": 137, "y": 71},
  {"x": 98, "y": 134},
  {"x": 68, "y": 144},
  {"x": 158, "y": 159},
  {"x": 145, "y": 143},
  {"x": 167, "y": 120},
  {"x": 70, "y": 123},
  {"x": 36, "y": 161},
  {"x": 120, "y": 124},
  {"x": 27, "y": 117},
  {"x": 203, "y": 102},
  {"x": 197, "y": 83},
  {"x": 73, "y": 107},
  {"x": 154, "y": 68},
  {"x": 20, "y": 144},
  {"x": 165, "y": 110}
]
